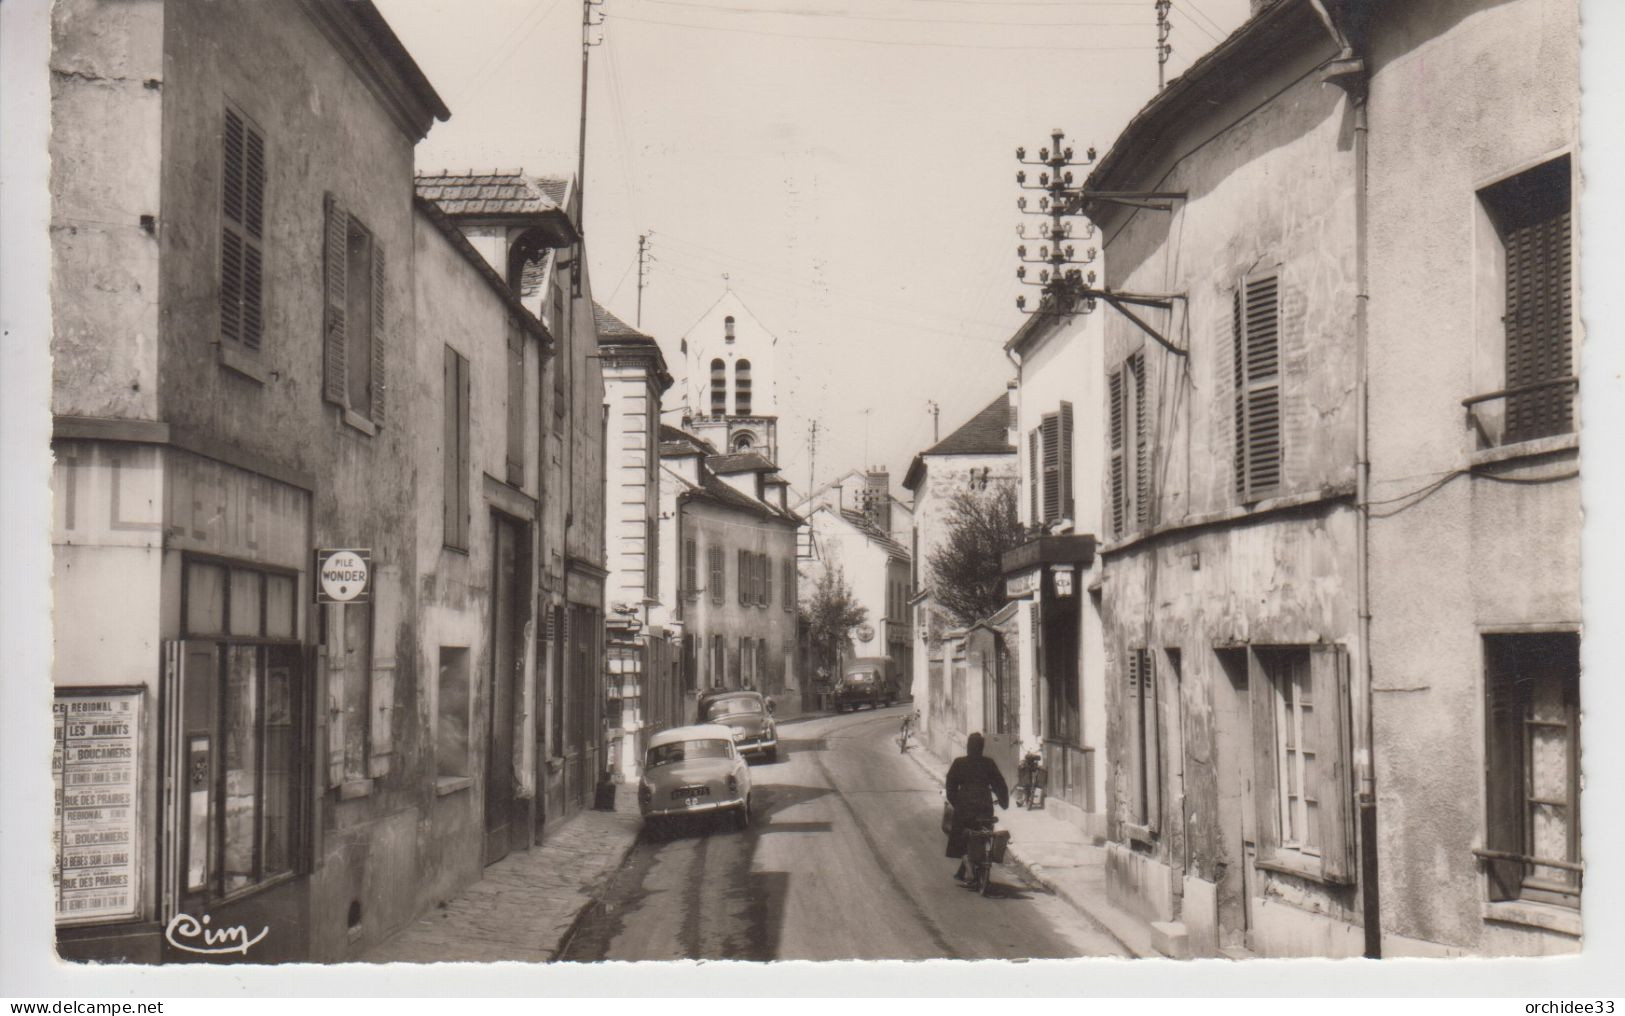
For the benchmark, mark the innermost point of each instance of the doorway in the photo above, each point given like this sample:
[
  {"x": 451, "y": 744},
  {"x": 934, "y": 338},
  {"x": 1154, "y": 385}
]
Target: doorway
[
  {"x": 1238, "y": 817},
  {"x": 509, "y": 596}
]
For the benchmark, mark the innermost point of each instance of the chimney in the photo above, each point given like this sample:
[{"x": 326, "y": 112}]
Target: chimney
[{"x": 877, "y": 499}]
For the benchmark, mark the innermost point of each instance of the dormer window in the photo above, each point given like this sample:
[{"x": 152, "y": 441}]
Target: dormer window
[{"x": 728, "y": 328}]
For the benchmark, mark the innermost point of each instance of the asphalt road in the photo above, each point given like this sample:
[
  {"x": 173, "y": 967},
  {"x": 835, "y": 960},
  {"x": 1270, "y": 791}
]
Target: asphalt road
[{"x": 844, "y": 860}]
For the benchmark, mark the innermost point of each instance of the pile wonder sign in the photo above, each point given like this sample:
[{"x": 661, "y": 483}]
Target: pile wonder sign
[{"x": 343, "y": 575}]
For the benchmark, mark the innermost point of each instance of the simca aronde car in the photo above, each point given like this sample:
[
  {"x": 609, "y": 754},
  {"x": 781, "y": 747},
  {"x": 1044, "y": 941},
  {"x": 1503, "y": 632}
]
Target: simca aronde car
[
  {"x": 748, "y": 715},
  {"x": 691, "y": 771}
]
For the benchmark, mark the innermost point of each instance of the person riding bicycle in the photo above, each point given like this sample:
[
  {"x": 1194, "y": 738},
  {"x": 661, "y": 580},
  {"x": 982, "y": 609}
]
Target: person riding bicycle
[
  {"x": 972, "y": 784},
  {"x": 906, "y": 731}
]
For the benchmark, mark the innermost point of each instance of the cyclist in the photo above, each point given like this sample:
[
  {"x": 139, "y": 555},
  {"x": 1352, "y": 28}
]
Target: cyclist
[
  {"x": 906, "y": 731},
  {"x": 972, "y": 784}
]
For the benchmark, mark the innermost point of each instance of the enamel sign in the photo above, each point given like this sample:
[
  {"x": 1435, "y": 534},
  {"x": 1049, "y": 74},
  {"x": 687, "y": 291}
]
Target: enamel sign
[{"x": 343, "y": 575}]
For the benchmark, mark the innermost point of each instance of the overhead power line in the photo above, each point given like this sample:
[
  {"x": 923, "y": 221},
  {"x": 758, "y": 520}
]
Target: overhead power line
[
  {"x": 877, "y": 42},
  {"x": 769, "y": 12}
]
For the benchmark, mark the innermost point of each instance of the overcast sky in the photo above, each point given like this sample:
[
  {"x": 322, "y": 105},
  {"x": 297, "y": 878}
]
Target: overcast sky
[{"x": 849, "y": 165}]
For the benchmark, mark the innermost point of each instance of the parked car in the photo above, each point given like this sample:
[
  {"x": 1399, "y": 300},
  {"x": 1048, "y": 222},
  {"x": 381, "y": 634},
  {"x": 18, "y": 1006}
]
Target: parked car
[
  {"x": 692, "y": 771},
  {"x": 870, "y": 681},
  {"x": 748, "y": 715}
]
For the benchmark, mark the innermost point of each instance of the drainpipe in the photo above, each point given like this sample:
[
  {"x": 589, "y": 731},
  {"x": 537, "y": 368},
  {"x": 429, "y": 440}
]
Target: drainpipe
[{"x": 1349, "y": 72}]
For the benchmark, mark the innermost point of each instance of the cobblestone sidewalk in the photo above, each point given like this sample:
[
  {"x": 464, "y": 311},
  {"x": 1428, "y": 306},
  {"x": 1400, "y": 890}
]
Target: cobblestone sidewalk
[{"x": 526, "y": 904}]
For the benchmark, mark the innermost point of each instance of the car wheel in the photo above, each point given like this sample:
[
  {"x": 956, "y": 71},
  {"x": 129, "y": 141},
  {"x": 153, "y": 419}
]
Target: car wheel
[
  {"x": 772, "y": 755},
  {"x": 743, "y": 817}
]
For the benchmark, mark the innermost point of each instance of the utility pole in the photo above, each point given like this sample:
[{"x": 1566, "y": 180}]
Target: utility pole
[
  {"x": 812, "y": 455},
  {"x": 1163, "y": 48},
  {"x": 936, "y": 411},
  {"x": 587, "y": 25},
  {"x": 643, "y": 247}
]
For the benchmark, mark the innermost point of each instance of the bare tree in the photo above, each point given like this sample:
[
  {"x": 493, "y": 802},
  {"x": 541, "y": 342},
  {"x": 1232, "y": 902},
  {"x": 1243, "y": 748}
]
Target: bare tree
[
  {"x": 831, "y": 611},
  {"x": 965, "y": 567}
]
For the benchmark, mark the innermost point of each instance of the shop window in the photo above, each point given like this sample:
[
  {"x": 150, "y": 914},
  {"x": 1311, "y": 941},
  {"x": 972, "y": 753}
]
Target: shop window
[
  {"x": 1300, "y": 727},
  {"x": 452, "y": 711},
  {"x": 242, "y": 222},
  {"x": 356, "y": 322},
  {"x": 1532, "y": 768}
]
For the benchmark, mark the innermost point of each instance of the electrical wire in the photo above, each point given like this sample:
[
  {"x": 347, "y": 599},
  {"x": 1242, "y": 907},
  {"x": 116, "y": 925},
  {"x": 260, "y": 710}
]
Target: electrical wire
[
  {"x": 1191, "y": 7},
  {"x": 520, "y": 36},
  {"x": 879, "y": 42},
  {"x": 720, "y": 8},
  {"x": 1199, "y": 26}
]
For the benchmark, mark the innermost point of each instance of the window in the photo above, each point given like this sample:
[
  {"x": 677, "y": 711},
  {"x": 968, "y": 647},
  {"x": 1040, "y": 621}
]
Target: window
[
  {"x": 746, "y": 576},
  {"x": 1532, "y": 768},
  {"x": 242, "y": 620},
  {"x": 719, "y": 583},
  {"x": 742, "y": 388},
  {"x": 719, "y": 387},
  {"x": 516, "y": 405},
  {"x": 719, "y": 662},
  {"x": 1050, "y": 472},
  {"x": 1145, "y": 741},
  {"x": 728, "y": 328},
  {"x": 356, "y": 322},
  {"x": 451, "y": 756},
  {"x": 743, "y": 442},
  {"x": 764, "y": 564},
  {"x": 455, "y": 509},
  {"x": 691, "y": 568},
  {"x": 789, "y": 594},
  {"x": 1531, "y": 215},
  {"x": 242, "y": 234},
  {"x": 1300, "y": 729},
  {"x": 1256, "y": 321}
]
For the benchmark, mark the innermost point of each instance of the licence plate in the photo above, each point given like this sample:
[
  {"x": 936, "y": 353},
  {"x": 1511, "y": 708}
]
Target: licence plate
[{"x": 690, "y": 794}]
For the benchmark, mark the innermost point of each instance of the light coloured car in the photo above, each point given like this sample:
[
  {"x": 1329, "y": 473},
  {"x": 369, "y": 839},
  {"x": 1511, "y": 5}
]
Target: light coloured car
[
  {"x": 749, "y": 715},
  {"x": 691, "y": 771}
]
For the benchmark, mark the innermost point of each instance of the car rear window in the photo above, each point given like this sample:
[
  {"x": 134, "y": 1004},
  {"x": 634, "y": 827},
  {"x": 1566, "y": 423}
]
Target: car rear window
[
  {"x": 732, "y": 707},
  {"x": 688, "y": 751}
]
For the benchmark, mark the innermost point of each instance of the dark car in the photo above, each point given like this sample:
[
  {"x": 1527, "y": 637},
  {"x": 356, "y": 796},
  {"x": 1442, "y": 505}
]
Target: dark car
[
  {"x": 866, "y": 682},
  {"x": 748, "y": 715}
]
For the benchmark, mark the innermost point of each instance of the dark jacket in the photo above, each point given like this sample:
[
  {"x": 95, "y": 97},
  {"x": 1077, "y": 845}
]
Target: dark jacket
[{"x": 972, "y": 784}]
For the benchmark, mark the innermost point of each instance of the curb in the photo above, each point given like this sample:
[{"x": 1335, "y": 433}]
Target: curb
[
  {"x": 594, "y": 898},
  {"x": 1037, "y": 875}
]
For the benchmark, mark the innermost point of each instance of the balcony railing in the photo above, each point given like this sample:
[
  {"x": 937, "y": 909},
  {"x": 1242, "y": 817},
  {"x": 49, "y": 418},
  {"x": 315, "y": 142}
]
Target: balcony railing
[{"x": 1523, "y": 413}]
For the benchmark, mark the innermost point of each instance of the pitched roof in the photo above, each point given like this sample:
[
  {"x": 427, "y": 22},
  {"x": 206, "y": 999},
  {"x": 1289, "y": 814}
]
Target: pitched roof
[
  {"x": 614, "y": 329},
  {"x": 431, "y": 211},
  {"x": 861, "y": 522},
  {"x": 986, "y": 433},
  {"x": 674, "y": 441},
  {"x": 720, "y": 493},
  {"x": 739, "y": 462},
  {"x": 497, "y": 192}
]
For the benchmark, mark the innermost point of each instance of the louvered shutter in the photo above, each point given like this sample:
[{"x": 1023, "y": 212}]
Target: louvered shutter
[
  {"x": 1034, "y": 481},
  {"x": 691, "y": 566},
  {"x": 1142, "y": 445},
  {"x": 1258, "y": 375},
  {"x": 1503, "y": 777},
  {"x": 242, "y": 232},
  {"x": 516, "y": 404},
  {"x": 452, "y": 390},
  {"x": 1151, "y": 736},
  {"x": 1135, "y": 726},
  {"x": 744, "y": 577},
  {"x": 380, "y": 334},
  {"x": 1116, "y": 418},
  {"x": 1067, "y": 502},
  {"x": 1261, "y": 694},
  {"x": 336, "y": 270},
  {"x": 767, "y": 581},
  {"x": 1050, "y": 430},
  {"x": 1328, "y": 676},
  {"x": 1536, "y": 238},
  {"x": 465, "y": 508}
]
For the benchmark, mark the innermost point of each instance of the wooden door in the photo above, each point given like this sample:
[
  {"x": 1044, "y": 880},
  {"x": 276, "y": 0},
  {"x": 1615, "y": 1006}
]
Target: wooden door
[{"x": 506, "y": 655}]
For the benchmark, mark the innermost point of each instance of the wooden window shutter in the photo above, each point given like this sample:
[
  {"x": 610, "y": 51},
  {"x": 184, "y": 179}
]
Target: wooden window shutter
[
  {"x": 1535, "y": 234},
  {"x": 380, "y": 334},
  {"x": 336, "y": 270},
  {"x": 691, "y": 566},
  {"x": 1050, "y": 429},
  {"x": 465, "y": 508},
  {"x": 1119, "y": 491},
  {"x": 1034, "y": 482},
  {"x": 1142, "y": 445},
  {"x": 1261, "y": 692},
  {"x": 452, "y": 395},
  {"x": 516, "y": 404},
  {"x": 1257, "y": 317},
  {"x": 767, "y": 581},
  {"x": 1329, "y": 679},
  {"x": 1152, "y": 738},
  {"x": 743, "y": 563},
  {"x": 719, "y": 578},
  {"x": 1067, "y": 502},
  {"x": 1136, "y": 738},
  {"x": 1503, "y": 774},
  {"x": 243, "y": 178}
]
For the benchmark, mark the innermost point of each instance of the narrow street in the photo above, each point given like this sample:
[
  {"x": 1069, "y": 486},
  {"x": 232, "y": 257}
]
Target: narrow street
[{"x": 844, "y": 860}]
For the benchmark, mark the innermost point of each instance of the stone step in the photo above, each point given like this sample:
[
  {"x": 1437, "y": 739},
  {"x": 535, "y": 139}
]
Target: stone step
[{"x": 1171, "y": 939}]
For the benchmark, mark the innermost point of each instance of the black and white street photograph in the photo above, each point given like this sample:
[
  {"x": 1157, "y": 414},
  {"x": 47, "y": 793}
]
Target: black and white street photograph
[{"x": 721, "y": 484}]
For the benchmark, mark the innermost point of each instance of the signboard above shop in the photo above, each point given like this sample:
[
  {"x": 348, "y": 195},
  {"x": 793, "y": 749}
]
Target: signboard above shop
[
  {"x": 343, "y": 575},
  {"x": 1022, "y": 584}
]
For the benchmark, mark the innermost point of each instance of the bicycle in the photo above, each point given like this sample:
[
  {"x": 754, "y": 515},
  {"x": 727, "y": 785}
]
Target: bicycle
[
  {"x": 906, "y": 731},
  {"x": 984, "y": 847}
]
